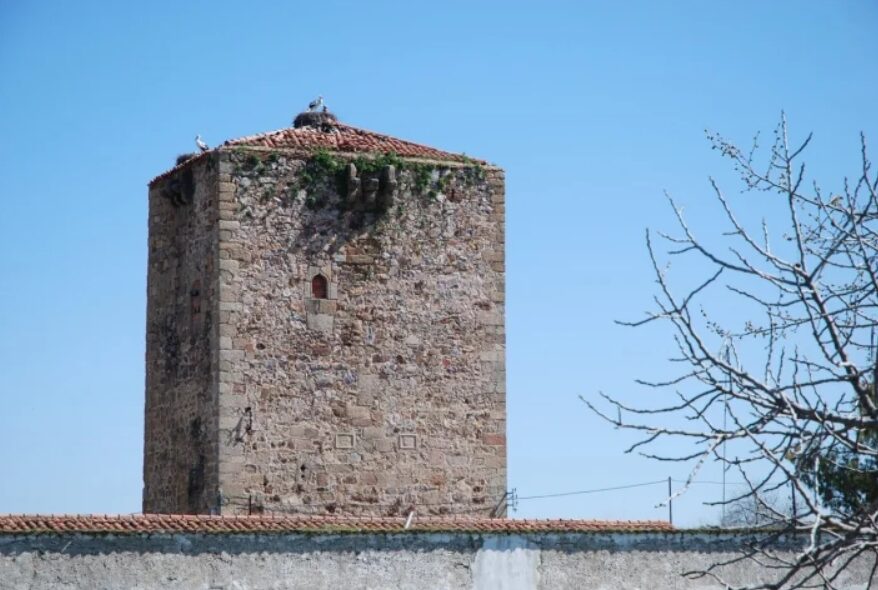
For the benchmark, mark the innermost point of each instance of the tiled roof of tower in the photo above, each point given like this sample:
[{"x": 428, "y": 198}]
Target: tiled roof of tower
[
  {"x": 164, "y": 523},
  {"x": 340, "y": 137},
  {"x": 328, "y": 134}
]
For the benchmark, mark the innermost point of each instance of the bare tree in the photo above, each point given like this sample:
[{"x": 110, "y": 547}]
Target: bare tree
[
  {"x": 748, "y": 512},
  {"x": 778, "y": 348}
]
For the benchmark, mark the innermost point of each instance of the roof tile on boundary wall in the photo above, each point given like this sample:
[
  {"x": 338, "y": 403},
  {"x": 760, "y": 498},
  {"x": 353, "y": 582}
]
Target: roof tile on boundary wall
[{"x": 188, "y": 523}]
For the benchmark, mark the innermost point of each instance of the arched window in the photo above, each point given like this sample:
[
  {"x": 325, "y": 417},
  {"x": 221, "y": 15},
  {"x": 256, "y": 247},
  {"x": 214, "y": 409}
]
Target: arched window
[{"x": 319, "y": 287}]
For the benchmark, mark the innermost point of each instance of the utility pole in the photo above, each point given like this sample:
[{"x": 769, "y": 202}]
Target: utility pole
[
  {"x": 725, "y": 427},
  {"x": 670, "y": 503}
]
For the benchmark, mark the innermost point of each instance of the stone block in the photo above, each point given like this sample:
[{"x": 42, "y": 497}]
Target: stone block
[
  {"x": 490, "y": 318},
  {"x": 225, "y": 165},
  {"x": 368, "y": 383},
  {"x": 408, "y": 442},
  {"x": 228, "y": 294},
  {"x": 494, "y": 439},
  {"x": 495, "y": 256},
  {"x": 229, "y": 330},
  {"x": 231, "y": 355},
  {"x": 320, "y": 306},
  {"x": 355, "y": 411},
  {"x": 320, "y": 322},
  {"x": 345, "y": 440},
  {"x": 359, "y": 259},
  {"x": 492, "y": 355},
  {"x": 372, "y": 432}
]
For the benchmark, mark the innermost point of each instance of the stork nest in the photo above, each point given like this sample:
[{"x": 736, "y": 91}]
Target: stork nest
[{"x": 322, "y": 120}]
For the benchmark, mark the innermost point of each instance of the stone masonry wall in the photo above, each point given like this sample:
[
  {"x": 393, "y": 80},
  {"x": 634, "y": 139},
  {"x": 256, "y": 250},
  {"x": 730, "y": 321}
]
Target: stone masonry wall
[
  {"x": 449, "y": 561},
  {"x": 389, "y": 393},
  {"x": 180, "y": 453}
]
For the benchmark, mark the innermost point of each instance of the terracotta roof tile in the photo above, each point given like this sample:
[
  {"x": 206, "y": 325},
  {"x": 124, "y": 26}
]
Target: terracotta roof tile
[
  {"x": 165, "y": 523},
  {"x": 340, "y": 137},
  {"x": 337, "y": 137}
]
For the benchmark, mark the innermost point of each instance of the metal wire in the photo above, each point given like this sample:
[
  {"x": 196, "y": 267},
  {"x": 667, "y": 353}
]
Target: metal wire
[{"x": 594, "y": 491}]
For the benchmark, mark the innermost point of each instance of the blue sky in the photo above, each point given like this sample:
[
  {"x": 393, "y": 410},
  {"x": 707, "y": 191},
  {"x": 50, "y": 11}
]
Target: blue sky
[{"x": 593, "y": 109}]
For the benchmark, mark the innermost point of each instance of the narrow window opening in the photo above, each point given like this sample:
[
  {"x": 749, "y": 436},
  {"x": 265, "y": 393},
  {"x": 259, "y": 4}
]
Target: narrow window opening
[
  {"x": 195, "y": 315},
  {"x": 319, "y": 287},
  {"x": 195, "y": 297}
]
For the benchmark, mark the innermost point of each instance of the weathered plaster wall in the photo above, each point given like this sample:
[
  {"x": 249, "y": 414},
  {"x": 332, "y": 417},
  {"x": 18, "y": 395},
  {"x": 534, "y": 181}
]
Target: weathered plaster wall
[
  {"x": 388, "y": 393},
  {"x": 180, "y": 458},
  {"x": 374, "y": 561}
]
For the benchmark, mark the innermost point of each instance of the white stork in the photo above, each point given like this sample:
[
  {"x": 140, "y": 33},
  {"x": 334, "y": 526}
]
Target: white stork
[
  {"x": 200, "y": 143},
  {"x": 316, "y": 104}
]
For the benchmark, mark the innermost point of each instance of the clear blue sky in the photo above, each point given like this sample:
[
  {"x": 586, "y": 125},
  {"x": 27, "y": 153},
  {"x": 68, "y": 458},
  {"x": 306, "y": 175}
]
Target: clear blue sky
[{"x": 593, "y": 109}]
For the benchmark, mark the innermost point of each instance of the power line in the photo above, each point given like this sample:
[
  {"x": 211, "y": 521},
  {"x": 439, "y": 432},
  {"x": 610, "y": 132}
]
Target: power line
[
  {"x": 624, "y": 487},
  {"x": 594, "y": 491},
  {"x": 718, "y": 483}
]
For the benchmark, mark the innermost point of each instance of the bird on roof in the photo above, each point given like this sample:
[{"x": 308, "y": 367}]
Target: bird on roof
[
  {"x": 316, "y": 104},
  {"x": 200, "y": 143}
]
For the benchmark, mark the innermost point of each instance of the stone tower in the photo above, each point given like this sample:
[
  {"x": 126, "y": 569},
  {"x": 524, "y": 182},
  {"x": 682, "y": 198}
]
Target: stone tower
[{"x": 325, "y": 328}]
